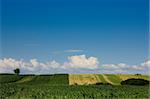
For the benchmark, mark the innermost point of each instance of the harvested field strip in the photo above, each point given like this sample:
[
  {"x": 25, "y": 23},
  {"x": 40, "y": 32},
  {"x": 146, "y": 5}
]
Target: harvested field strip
[
  {"x": 115, "y": 79},
  {"x": 102, "y": 78},
  {"x": 83, "y": 79},
  {"x": 106, "y": 79}
]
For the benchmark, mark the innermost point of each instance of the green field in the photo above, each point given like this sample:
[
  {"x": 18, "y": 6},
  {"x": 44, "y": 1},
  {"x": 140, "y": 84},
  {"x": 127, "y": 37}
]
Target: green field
[
  {"x": 70, "y": 86},
  {"x": 45, "y": 79},
  {"x": 7, "y": 78},
  {"x": 114, "y": 79}
]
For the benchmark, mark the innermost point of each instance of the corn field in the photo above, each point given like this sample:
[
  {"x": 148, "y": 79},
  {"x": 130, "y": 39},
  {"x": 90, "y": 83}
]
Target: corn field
[{"x": 17, "y": 91}]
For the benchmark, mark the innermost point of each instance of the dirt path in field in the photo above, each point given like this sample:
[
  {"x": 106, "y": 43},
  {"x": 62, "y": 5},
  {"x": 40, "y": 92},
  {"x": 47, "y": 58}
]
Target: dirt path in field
[{"x": 106, "y": 79}]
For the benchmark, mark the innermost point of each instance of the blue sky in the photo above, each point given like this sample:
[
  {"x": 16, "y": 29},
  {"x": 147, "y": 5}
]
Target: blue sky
[{"x": 114, "y": 31}]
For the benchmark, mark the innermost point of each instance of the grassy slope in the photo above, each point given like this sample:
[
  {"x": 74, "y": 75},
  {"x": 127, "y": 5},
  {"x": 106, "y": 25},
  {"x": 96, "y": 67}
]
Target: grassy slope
[
  {"x": 63, "y": 79},
  {"x": 8, "y": 78},
  {"x": 45, "y": 79},
  {"x": 114, "y": 79},
  {"x": 38, "y": 79}
]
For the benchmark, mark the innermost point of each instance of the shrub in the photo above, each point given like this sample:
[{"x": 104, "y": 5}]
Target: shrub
[
  {"x": 99, "y": 83},
  {"x": 134, "y": 81},
  {"x": 138, "y": 74}
]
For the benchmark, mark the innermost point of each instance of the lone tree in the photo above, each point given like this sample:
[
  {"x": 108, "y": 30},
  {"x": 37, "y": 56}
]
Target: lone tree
[{"x": 17, "y": 71}]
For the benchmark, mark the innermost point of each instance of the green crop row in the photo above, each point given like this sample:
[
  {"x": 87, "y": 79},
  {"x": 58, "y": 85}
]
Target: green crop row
[{"x": 44, "y": 91}]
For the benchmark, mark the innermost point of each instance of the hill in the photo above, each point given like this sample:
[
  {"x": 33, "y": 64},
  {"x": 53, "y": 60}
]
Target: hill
[
  {"x": 57, "y": 86},
  {"x": 114, "y": 79},
  {"x": 69, "y": 79}
]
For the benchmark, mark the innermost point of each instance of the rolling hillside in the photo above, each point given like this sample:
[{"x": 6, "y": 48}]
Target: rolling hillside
[
  {"x": 68, "y": 79},
  {"x": 57, "y": 87},
  {"x": 56, "y": 79},
  {"x": 8, "y": 78},
  {"x": 114, "y": 79}
]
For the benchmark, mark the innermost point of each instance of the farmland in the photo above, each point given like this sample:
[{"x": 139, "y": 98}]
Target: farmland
[
  {"x": 45, "y": 79},
  {"x": 70, "y": 86},
  {"x": 83, "y": 79},
  {"x": 7, "y": 78}
]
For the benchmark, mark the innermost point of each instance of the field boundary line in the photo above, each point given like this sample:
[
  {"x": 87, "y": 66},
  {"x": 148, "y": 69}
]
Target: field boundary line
[
  {"x": 106, "y": 79},
  {"x": 97, "y": 78}
]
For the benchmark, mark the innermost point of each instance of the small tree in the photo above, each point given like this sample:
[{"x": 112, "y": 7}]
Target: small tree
[{"x": 17, "y": 71}]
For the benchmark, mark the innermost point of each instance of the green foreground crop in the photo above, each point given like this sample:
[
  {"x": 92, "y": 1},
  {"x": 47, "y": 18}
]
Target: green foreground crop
[
  {"x": 57, "y": 87},
  {"x": 16, "y": 91}
]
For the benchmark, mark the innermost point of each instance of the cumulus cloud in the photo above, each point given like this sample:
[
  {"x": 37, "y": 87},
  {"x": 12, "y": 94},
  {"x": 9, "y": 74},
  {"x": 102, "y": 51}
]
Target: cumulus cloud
[
  {"x": 7, "y": 65},
  {"x": 75, "y": 64},
  {"x": 81, "y": 61},
  {"x": 146, "y": 64},
  {"x": 35, "y": 66},
  {"x": 124, "y": 68},
  {"x": 68, "y": 51},
  {"x": 53, "y": 64}
]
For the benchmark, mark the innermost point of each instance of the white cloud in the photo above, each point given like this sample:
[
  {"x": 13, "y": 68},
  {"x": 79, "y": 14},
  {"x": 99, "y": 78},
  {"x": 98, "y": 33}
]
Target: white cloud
[
  {"x": 146, "y": 64},
  {"x": 34, "y": 66},
  {"x": 53, "y": 64},
  {"x": 8, "y": 65},
  {"x": 68, "y": 51},
  {"x": 73, "y": 51},
  {"x": 115, "y": 66},
  {"x": 81, "y": 61},
  {"x": 124, "y": 68},
  {"x": 75, "y": 64}
]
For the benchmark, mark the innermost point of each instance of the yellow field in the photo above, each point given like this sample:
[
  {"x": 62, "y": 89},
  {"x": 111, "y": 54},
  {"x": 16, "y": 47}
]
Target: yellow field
[
  {"x": 127, "y": 76},
  {"x": 114, "y": 79},
  {"x": 83, "y": 79}
]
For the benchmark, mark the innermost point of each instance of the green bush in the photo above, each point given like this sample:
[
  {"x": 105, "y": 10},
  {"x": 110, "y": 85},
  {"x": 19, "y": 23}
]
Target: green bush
[
  {"x": 134, "y": 81},
  {"x": 102, "y": 83}
]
